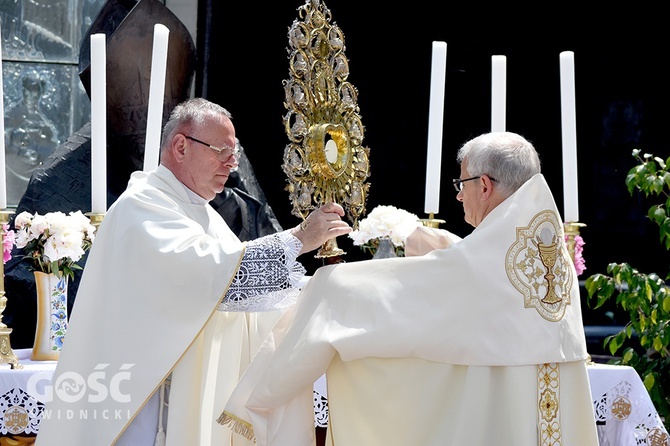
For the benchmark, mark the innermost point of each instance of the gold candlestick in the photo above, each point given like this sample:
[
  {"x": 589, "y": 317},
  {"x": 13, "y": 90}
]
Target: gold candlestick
[
  {"x": 431, "y": 221},
  {"x": 571, "y": 229},
  {"x": 95, "y": 218},
  {"x": 7, "y": 355}
]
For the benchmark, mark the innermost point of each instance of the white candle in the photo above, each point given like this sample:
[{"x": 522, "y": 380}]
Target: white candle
[
  {"x": 498, "y": 92},
  {"x": 569, "y": 127},
  {"x": 3, "y": 173},
  {"x": 156, "y": 96},
  {"x": 435, "y": 120},
  {"x": 98, "y": 124}
]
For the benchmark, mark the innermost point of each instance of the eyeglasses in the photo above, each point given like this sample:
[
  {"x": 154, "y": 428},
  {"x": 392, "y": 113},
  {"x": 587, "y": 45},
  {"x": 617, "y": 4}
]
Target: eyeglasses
[
  {"x": 224, "y": 151},
  {"x": 458, "y": 183}
]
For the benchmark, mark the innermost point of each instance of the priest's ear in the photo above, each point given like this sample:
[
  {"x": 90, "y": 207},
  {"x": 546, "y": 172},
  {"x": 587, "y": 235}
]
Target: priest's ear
[
  {"x": 177, "y": 147},
  {"x": 487, "y": 185},
  {"x": 173, "y": 153}
]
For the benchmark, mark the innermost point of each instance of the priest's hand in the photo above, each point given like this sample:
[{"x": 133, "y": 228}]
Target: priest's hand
[
  {"x": 424, "y": 240},
  {"x": 320, "y": 226}
]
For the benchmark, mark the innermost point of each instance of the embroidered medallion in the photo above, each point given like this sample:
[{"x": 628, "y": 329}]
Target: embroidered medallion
[
  {"x": 539, "y": 266},
  {"x": 657, "y": 437},
  {"x": 20, "y": 412},
  {"x": 621, "y": 408}
]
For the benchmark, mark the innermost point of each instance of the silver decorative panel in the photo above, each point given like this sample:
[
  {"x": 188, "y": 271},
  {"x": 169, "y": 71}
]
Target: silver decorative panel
[{"x": 44, "y": 100}]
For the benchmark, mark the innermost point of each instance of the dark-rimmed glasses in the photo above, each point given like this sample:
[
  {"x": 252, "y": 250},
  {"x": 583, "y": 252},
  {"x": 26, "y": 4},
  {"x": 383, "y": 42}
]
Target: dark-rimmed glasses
[
  {"x": 223, "y": 151},
  {"x": 458, "y": 183}
]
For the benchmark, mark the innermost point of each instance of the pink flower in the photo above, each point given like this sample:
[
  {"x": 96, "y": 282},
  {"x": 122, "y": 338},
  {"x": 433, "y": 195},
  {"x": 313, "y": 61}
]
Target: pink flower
[
  {"x": 8, "y": 239},
  {"x": 580, "y": 264}
]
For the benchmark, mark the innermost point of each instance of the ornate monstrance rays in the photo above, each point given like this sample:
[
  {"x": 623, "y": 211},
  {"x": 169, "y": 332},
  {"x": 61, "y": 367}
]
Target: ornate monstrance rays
[{"x": 324, "y": 160}]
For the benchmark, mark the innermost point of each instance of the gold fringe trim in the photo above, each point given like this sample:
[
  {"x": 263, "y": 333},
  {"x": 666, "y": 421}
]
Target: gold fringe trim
[{"x": 237, "y": 425}]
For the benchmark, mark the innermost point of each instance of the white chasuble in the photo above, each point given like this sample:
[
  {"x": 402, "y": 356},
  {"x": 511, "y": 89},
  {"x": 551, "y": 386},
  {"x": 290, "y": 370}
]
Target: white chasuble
[
  {"x": 444, "y": 349},
  {"x": 136, "y": 321}
]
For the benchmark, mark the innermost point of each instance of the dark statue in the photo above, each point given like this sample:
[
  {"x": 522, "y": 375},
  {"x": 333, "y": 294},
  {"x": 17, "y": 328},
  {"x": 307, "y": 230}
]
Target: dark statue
[{"x": 63, "y": 181}]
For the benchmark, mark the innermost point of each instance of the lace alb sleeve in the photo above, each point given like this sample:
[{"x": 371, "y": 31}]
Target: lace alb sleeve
[{"x": 268, "y": 275}]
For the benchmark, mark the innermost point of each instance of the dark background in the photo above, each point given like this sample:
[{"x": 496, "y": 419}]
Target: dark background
[
  {"x": 242, "y": 60},
  {"x": 621, "y": 100}
]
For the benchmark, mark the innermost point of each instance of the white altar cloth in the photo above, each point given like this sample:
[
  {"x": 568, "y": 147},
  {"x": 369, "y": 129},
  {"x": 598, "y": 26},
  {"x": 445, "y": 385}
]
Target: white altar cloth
[{"x": 625, "y": 415}]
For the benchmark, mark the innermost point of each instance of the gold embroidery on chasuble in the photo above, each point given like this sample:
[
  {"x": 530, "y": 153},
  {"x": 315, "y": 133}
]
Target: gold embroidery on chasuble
[
  {"x": 548, "y": 400},
  {"x": 657, "y": 437},
  {"x": 539, "y": 266},
  {"x": 621, "y": 407}
]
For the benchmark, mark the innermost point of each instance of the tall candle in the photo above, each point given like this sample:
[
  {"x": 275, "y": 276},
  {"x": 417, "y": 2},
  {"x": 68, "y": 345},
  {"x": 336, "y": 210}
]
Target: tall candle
[
  {"x": 498, "y": 92},
  {"x": 569, "y": 133},
  {"x": 156, "y": 96},
  {"x": 98, "y": 124},
  {"x": 3, "y": 173},
  {"x": 435, "y": 120}
]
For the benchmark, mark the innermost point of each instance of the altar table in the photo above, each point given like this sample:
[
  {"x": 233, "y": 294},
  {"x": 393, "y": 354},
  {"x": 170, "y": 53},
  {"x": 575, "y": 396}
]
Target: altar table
[
  {"x": 22, "y": 395},
  {"x": 624, "y": 413},
  {"x": 24, "y": 391}
]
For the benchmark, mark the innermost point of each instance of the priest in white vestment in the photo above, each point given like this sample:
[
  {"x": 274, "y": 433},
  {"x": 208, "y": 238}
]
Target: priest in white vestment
[
  {"x": 478, "y": 342},
  {"x": 163, "y": 311}
]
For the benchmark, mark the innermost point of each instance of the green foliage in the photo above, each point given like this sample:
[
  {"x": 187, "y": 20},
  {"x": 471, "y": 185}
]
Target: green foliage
[{"x": 644, "y": 343}]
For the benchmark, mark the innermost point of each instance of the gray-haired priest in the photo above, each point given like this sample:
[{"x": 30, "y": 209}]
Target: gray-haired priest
[{"x": 480, "y": 342}]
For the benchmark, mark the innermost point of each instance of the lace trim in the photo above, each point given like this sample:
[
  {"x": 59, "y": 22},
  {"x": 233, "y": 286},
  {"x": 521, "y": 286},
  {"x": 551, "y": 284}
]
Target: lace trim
[
  {"x": 268, "y": 275},
  {"x": 620, "y": 404},
  {"x": 320, "y": 410}
]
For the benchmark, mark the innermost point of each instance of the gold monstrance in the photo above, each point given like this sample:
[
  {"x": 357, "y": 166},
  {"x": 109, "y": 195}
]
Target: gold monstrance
[{"x": 324, "y": 161}]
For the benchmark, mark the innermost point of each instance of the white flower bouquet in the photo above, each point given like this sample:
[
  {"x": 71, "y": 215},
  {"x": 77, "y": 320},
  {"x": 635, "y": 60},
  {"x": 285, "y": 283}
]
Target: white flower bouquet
[
  {"x": 385, "y": 222},
  {"x": 54, "y": 242}
]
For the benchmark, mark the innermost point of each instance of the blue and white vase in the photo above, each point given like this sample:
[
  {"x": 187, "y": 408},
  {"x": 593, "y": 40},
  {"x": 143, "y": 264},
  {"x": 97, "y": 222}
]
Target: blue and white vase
[{"x": 51, "y": 316}]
